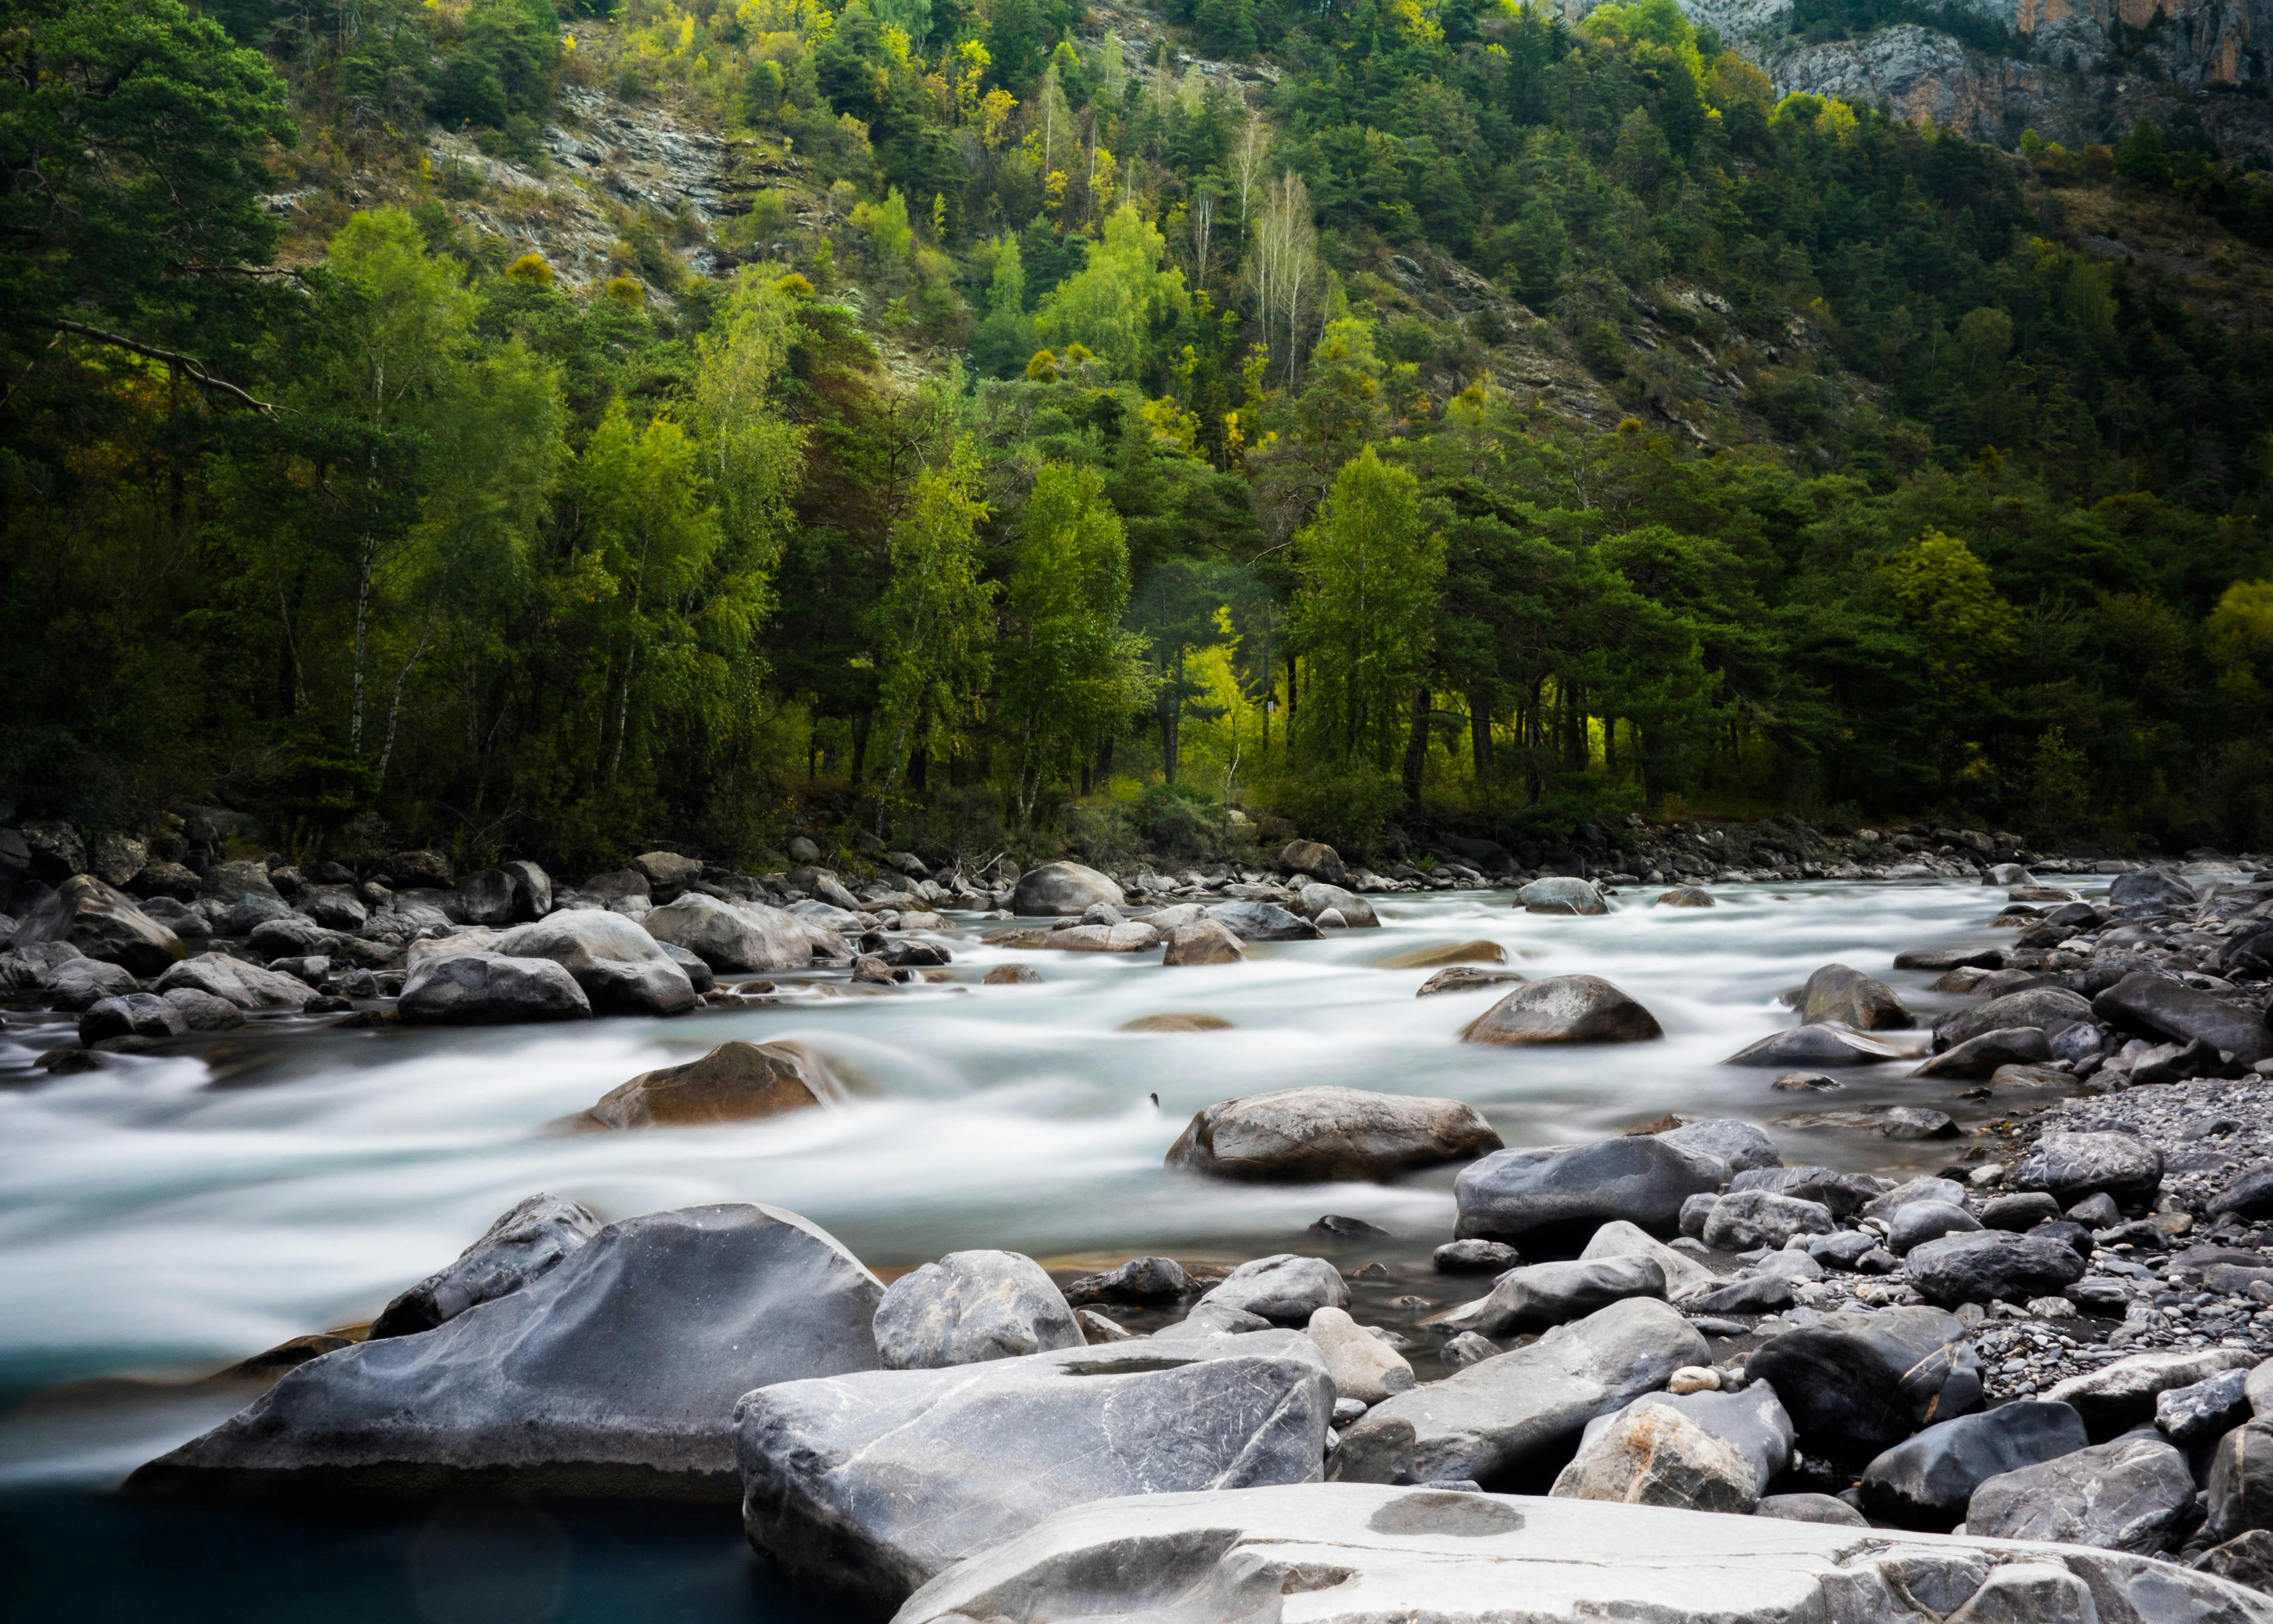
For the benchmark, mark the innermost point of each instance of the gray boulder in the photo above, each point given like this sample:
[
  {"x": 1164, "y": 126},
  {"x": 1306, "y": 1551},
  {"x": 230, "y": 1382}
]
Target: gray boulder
[
  {"x": 2246, "y": 1558},
  {"x": 2240, "y": 1488},
  {"x": 1203, "y": 942},
  {"x": 1646, "y": 1455},
  {"x": 1926, "y": 1481},
  {"x": 2208, "y": 1410},
  {"x": 202, "y": 1012},
  {"x": 1561, "y": 895},
  {"x": 2158, "y": 1006},
  {"x": 227, "y": 882},
  {"x": 1844, "y": 1193},
  {"x": 1563, "y": 1010},
  {"x": 526, "y": 1242},
  {"x": 1751, "y": 1422},
  {"x": 1538, "y": 1295},
  {"x": 1316, "y": 898},
  {"x": 131, "y": 1015},
  {"x": 102, "y": 923},
  {"x": 667, "y": 872},
  {"x": 247, "y": 986},
  {"x": 1759, "y": 1292},
  {"x": 1310, "y": 857},
  {"x": 2152, "y": 890},
  {"x": 1735, "y": 1141},
  {"x": 80, "y": 984},
  {"x": 483, "y": 898},
  {"x": 2052, "y": 1010},
  {"x": 622, "y": 969},
  {"x": 2250, "y": 1194},
  {"x": 1987, "y": 1054},
  {"x": 2019, "y": 1212},
  {"x": 866, "y": 1485},
  {"x": 1062, "y": 888},
  {"x": 2069, "y": 1167},
  {"x": 1919, "y": 1222},
  {"x": 1684, "y": 1276},
  {"x": 1522, "y": 1410},
  {"x": 1825, "y": 1042},
  {"x": 970, "y": 1307},
  {"x": 1142, "y": 1281},
  {"x": 1475, "y": 1257},
  {"x": 1263, "y": 922},
  {"x": 2127, "y": 1495},
  {"x": 1510, "y": 1194},
  {"x": 1744, "y": 1219},
  {"x": 293, "y": 936},
  {"x": 1284, "y": 1288},
  {"x": 1852, "y": 999},
  {"x": 732, "y": 936},
  {"x": 1328, "y": 1132},
  {"x": 1987, "y": 1265},
  {"x": 1809, "y": 1508},
  {"x": 1943, "y": 1192},
  {"x": 613, "y": 1374},
  {"x": 1855, "y": 1383},
  {"x": 489, "y": 989},
  {"x": 2117, "y": 1398}
]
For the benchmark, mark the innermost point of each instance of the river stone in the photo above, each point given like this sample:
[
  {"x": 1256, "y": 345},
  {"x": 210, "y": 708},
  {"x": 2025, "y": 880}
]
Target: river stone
[
  {"x": 1561, "y": 895},
  {"x": 970, "y": 1307},
  {"x": 1363, "y": 1366},
  {"x": 482, "y": 898},
  {"x": 1143, "y": 1280},
  {"x": 1563, "y": 1010},
  {"x": 1345, "y": 1553},
  {"x": 1855, "y": 1383},
  {"x": 2152, "y": 890},
  {"x": 1735, "y": 1141},
  {"x": 1327, "y": 1132},
  {"x": 1468, "y": 978},
  {"x": 2051, "y": 1010},
  {"x": 1686, "y": 896},
  {"x": 1809, "y": 1507},
  {"x": 1316, "y": 898},
  {"x": 2069, "y": 1167},
  {"x": 1925, "y": 1481},
  {"x": 1848, "y": 996},
  {"x": 1950, "y": 958},
  {"x": 2117, "y": 1397},
  {"x": 735, "y": 1082},
  {"x": 468, "y": 989},
  {"x": 2020, "y": 1212},
  {"x": 2208, "y": 1410},
  {"x": 1759, "y": 1292},
  {"x": 524, "y": 1244},
  {"x": 1538, "y": 1295},
  {"x": 1744, "y": 1219},
  {"x": 1062, "y": 888},
  {"x": 2241, "y": 1481},
  {"x": 1825, "y": 1042},
  {"x": 1310, "y": 857},
  {"x": 1131, "y": 936},
  {"x": 532, "y": 889},
  {"x": 1844, "y": 1193},
  {"x": 1520, "y": 1411},
  {"x": 1647, "y": 1455},
  {"x": 1751, "y": 1422},
  {"x": 226, "y": 882},
  {"x": 1948, "y": 1192},
  {"x": 866, "y": 1486},
  {"x": 1475, "y": 1257},
  {"x": 1510, "y": 1194},
  {"x": 1263, "y": 922},
  {"x": 2126, "y": 1495},
  {"x": 2250, "y": 1194},
  {"x": 1284, "y": 1288},
  {"x": 2158, "y": 1006},
  {"x": 622, "y": 969},
  {"x": 1988, "y": 1264},
  {"x": 202, "y": 1012},
  {"x": 732, "y": 936},
  {"x": 129, "y": 1014},
  {"x": 2246, "y": 1558},
  {"x": 291, "y": 936},
  {"x": 1989, "y": 1053},
  {"x": 1684, "y": 1276},
  {"x": 613, "y": 1374},
  {"x": 1919, "y": 1222},
  {"x": 247, "y": 986},
  {"x": 1204, "y": 941},
  {"x": 102, "y": 923},
  {"x": 1440, "y": 958}
]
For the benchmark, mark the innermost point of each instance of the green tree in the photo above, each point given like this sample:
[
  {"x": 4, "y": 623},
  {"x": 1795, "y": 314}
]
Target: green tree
[
  {"x": 934, "y": 628},
  {"x": 1118, "y": 301},
  {"x": 2141, "y": 158}
]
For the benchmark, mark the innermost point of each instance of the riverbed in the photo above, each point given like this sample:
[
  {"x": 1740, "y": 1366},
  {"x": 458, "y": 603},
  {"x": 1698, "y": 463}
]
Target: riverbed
[{"x": 169, "y": 1215}]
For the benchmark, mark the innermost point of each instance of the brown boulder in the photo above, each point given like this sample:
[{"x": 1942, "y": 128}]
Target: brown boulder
[{"x": 734, "y": 1083}]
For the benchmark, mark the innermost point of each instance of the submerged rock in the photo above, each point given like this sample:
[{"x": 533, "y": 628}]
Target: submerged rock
[
  {"x": 1328, "y": 1132},
  {"x": 734, "y": 1083},
  {"x": 1468, "y": 978}
]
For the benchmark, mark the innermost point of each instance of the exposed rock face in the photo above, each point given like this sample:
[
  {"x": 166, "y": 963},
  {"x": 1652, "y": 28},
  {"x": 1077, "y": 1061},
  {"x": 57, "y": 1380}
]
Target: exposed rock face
[
  {"x": 1852, "y": 999},
  {"x": 480, "y": 989},
  {"x": 2126, "y": 1495},
  {"x": 866, "y": 1485},
  {"x": 1926, "y": 1481},
  {"x": 1510, "y": 1194},
  {"x": 1649, "y": 1455},
  {"x": 1062, "y": 888},
  {"x": 970, "y": 1307},
  {"x": 2069, "y": 1167},
  {"x": 1328, "y": 1132},
  {"x": 102, "y": 923},
  {"x": 522, "y": 1245},
  {"x": 1496, "y": 1418},
  {"x": 1856, "y": 1383},
  {"x": 1538, "y": 1295},
  {"x": 734, "y": 1083},
  {"x": 1563, "y": 1010},
  {"x": 732, "y": 936},
  {"x": 622, "y": 969},
  {"x": 247, "y": 986},
  {"x": 1350, "y": 1554},
  {"x": 615, "y": 1372}
]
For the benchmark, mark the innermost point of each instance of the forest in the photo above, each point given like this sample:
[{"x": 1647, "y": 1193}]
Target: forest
[{"x": 1453, "y": 417}]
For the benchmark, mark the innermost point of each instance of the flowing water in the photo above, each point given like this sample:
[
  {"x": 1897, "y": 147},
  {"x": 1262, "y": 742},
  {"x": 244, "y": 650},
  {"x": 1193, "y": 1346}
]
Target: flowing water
[{"x": 167, "y": 1215}]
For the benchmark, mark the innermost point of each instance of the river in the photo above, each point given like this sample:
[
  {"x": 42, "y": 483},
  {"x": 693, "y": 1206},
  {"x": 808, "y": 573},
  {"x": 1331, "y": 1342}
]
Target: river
[{"x": 167, "y": 1215}]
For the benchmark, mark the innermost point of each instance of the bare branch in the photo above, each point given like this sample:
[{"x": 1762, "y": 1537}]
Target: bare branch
[{"x": 188, "y": 367}]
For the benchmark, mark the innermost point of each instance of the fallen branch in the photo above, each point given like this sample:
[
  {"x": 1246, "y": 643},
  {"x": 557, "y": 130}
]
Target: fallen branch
[{"x": 186, "y": 365}]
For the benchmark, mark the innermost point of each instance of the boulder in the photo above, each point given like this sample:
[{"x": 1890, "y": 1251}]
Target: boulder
[
  {"x": 485, "y": 989},
  {"x": 202, "y": 1012},
  {"x": 1510, "y": 1194},
  {"x": 1538, "y": 1295},
  {"x": 1751, "y": 1422},
  {"x": 2250, "y": 1194},
  {"x": 2204, "y": 1411},
  {"x": 732, "y": 936},
  {"x": 667, "y": 873},
  {"x": 247, "y": 986},
  {"x": 525, "y": 1243},
  {"x": 1845, "y": 1193},
  {"x": 117, "y": 859},
  {"x": 2240, "y": 1488},
  {"x": 1362, "y": 1365},
  {"x": 131, "y": 1015},
  {"x": 1950, "y": 958},
  {"x": 1684, "y": 1276},
  {"x": 1988, "y": 1264},
  {"x": 1853, "y": 999},
  {"x": 2153, "y": 1005},
  {"x": 1339, "y": 1553},
  {"x": 419, "y": 870},
  {"x": 1284, "y": 1288},
  {"x": 1855, "y": 1383},
  {"x": 293, "y": 936},
  {"x": 1141, "y": 1281},
  {"x": 1520, "y": 1412},
  {"x": 1439, "y": 958},
  {"x": 1062, "y": 888},
  {"x": 1809, "y": 1508},
  {"x": 1925, "y": 1481},
  {"x": 2119, "y": 1396},
  {"x": 620, "y": 891},
  {"x": 1465, "y": 1350},
  {"x": 2127, "y": 1495},
  {"x": 1733, "y": 1139},
  {"x": 735, "y": 1082},
  {"x": 532, "y": 889},
  {"x": 970, "y": 1307},
  {"x": 1686, "y": 896},
  {"x": 700, "y": 976},
  {"x": 2152, "y": 890},
  {"x": 1308, "y": 856},
  {"x": 1132, "y": 937},
  {"x": 2069, "y": 1167},
  {"x": 1648, "y": 1454},
  {"x": 483, "y": 898},
  {"x": 1263, "y": 922},
  {"x": 1316, "y": 898},
  {"x": 102, "y": 923},
  {"x": 1919, "y": 1222},
  {"x": 866, "y": 1485},
  {"x": 2020, "y": 1212},
  {"x": 1479, "y": 1257},
  {"x": 1468, "y": 978},
  {"x": 53, "y": 850},
  {"x": 1944, "y": 1191},
  {"x": 2052, "y": 1010},
  {"x": 1744, "y": 1219},
  {"x": 228, "y": 882},
  {"x": 1204, "y": 941},
  {"x": 1989, "y": 1053},
  {"x": 1011, "y": 976},
  {"x": 1561, "y": 895},
  {"x": 1825, "y": 1042},
  {"x": 613, "y": 1374},
  {"x": 1563, "y": 1010},
  {"x": 1759, "y": 1292},
  {"x": 1323, "y": 1133},
  {"x": 622, "y": 969},
  {"x": 2246, "y": 1558}
]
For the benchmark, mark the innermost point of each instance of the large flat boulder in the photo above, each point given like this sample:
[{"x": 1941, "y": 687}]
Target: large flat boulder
[
  {"x": 526, "y": 1242},
  {"x": 1519, "y": 1413},
  {"x": 1751, "y": 1422},
  {"x": 1326, "y": 1132},
  {"x": 1855, "y": 1383},
  {"x": 1563, "y": 1010},
  {"x": 247, "y": 986},
  {"x": 615, "y": 1373},
  {"x": 1352, "y": 1554},
  {"x": 102, "y": 923},
  {"x": 1985, "y": 1266},
  {"x": 1062, "y": 888},
  {"x": 2156, "y": 1005},
  {"x": 622, "y": 969},
  {"x": 490, "y": 989},
  {"x": 732, "y": 936},
  {"x": 735, "y": 1082},
  {"x": 2053, "y": 1010},
  {"x": 1511, "y": 1195},
  {"x": 867, "y": 1485}
]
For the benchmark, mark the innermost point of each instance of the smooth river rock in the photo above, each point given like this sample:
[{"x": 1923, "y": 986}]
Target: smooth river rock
[
  {"x": 1204, "y": 941},
  {"x": 247, "y": 986},
  {"x": 1643, "y": 1179},
  {"x": 1836, "y": 993},
  {"x": 732, "y": 936},
  {"x": 622, "y": 969},
  {"x": 970, "y": 1307},
  {"x": 2069, "y": 1167},
  {"x": 735, "y": 1082},
  {"x": 1263, "y": 922},
  {"x": 1363, "y": 1366},
  {"x": 1987, "y": 1265},
  {"x": 1925, "y": 1481},
  {"x": 1856, "y": 1383},
  {"x": 1062, "y": 888},
  {"x": 1328, "y": 1132},
  {"x": 1822, "y": 1043},
  {"x": 1744, "y": 1219},
  {"x": 486, "y": 989},
  {"x": 102, "y": 923},
  {"x": 1285, "y": 1289},
  {"x": 526, "y": 1242},
  {"x": 2052, "y": 1010},
  {"x": 1561, "y": 895},
  {"x": 1563, "y": 1010},
  {"x": 2119, "y": 1397},
  {"x": 2157, "y": 1007},
  {"x": 1538, "y": 1295},
  {"x": 1649, "y": 1455},
  {"x": 2126, "y": 1495},
  {"x": 1752, "y": 1422}
]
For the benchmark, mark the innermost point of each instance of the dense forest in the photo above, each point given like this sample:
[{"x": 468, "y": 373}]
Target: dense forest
[{"x": 1072, "y": 444}]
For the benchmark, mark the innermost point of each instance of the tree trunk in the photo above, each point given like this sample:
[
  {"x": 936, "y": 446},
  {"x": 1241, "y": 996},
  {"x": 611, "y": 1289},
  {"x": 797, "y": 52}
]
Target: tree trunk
[
  {"x": 1479, "y": 738},
  {"x": 919, "y": 767},
  {"x": 860, "y": 724},
  {"x": 1417, "y": 746},
  {"x": 1610, "y": 747}
]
